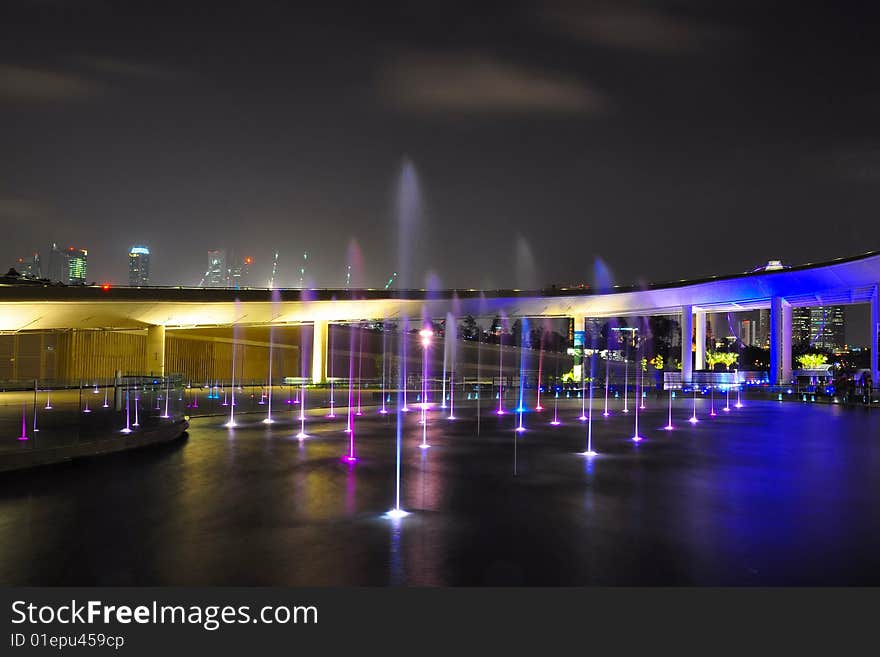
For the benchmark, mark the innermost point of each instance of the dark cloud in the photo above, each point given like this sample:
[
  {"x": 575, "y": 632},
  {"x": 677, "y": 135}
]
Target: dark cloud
[
  {"x": 127, "y": 68},
  {"x": 474, "y": 83},
  {"x": 633, "y": 25},
  {"x": 30, "y": 84}
]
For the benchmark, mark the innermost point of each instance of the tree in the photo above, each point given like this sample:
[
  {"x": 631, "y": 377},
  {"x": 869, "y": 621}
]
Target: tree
[
  {"x": 726, "y": 358},
  {"x": 469, "y": 329},
  {"x": 812, "y": 361}
]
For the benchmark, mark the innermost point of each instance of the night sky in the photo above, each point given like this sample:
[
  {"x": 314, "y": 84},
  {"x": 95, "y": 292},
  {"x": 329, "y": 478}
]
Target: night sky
[{"x": 671, "y": 139}]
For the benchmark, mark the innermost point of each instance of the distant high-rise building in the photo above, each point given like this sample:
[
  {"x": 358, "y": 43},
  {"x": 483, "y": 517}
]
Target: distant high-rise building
[
  {"x": 763, "y": 335},
  {"x": 217, "y": 274},
  {"x": 821, "y": 327},
  {"x": 77, "y": 265},
  {"x": 138, "y": 266},
  {"x": 58, "y": 265},
  {"x": 748, "y": 332},
  {"x": 30, "y": 266},
  {"x": 240, "y": 272}
]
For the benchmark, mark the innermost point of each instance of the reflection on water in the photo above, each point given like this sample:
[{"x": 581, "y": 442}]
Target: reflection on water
[{"x": 769, "y": 494}]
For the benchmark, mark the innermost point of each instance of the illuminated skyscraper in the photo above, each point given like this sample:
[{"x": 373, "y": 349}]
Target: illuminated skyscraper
[
  {"x": 240, "y": 272},
  {"x": 138, "y": 266},
  {"x": 58, "y": 263},
  {"x": 821, "y": 327},
  {"x": 30, "y": 267},
  {"x": 77, "y": 266},
  {"x": 217, "y": 274}
]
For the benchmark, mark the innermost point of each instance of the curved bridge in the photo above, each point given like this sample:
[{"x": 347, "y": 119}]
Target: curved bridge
[{"x": 35, "y": 307}]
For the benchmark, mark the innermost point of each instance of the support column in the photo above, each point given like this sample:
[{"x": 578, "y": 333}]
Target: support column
[
  {"x": 780, "y": 341},
  {"x": 320, "y": 338},
  {"x": 687, "y": 334},
  {"x": 155, "y": 351},
  {"x": 872, "y": 336},
  {"x": 700, "y": 341}
]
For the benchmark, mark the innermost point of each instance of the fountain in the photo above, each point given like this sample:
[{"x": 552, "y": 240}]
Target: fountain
[
  {"x": 167, "y": 393},
  {"x": 589, "y": 451},
  {"x": 408, "y": 211},
  {"x": 522, "y": 374},
  {"x": 106, "y": 405},
  {"x": 332, "y": 413},
  {"x": 726, "y": 408},
  {"x": 669, "y": 426},
  {"x": 693, "y": 419},
  {"x": 137, "y": 399},
  {"x": 626, "y": 378},
  {"x": 48, "y": 401},
  {"x": 500, "y": 410},
  {"x": 349, "y": 407},
  {"x": 360, "y": 365},
  {"x": 276, "y": 298},
  {"x": 384, "y": 409},
  {"x": 127, "y": 428},
  {"x": 452, "y": 337},
  {"x": 636, "y": 437},
  {"x": 231, "y": 423},
  {"x": 23, "y": 435},
  {"x": 426, "y": 334},
  {"x": 712, "y": 401},
  {"x": 304, "y": 359},
  {"x": 739, "y": 403}
]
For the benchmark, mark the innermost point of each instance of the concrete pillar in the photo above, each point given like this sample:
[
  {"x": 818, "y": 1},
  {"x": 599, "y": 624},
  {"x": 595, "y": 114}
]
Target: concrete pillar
[
  {"x": 873, "y": 334},
  {"x": 687, "y": 334},
  {"x": 155, "y": 351},
  {"x": 700, "y": 341},
  {"x": 319, "y": 351},
  {"x": 780, "y": 341}
]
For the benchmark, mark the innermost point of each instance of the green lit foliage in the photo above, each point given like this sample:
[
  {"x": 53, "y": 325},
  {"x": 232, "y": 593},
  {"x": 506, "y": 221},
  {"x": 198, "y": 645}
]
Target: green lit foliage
[
  {"x": 657, "y": 362},
  {"x": 726, "y": 358},
  {"x": 812, "y": 361}
]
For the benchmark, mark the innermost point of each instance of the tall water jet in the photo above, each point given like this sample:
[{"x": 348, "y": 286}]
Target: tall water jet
[
  {"x": 384, "y": 409},
  {"x": 304, "y": 360},
  {"x": 137, "y": 399},
  {"x": 332, "y": 413},
  {"x": 626, "y": 375},
  {"x": 231, "y": 423},
  {"x": 24, "y": 435},
  {"x": 452, "y": 341},
  {"x": 349, "y": 410},
  {"x": 408, "y": 212},
  {"x": 589, "y": 451},
  {"x": 426, "y": 334},
  {"x": 693, "y": 419},
  {"x": 167, "y": 394},
  {"x": 712, "y": 401},
  {"x": 636, "y": 437},
  {"x": 35, "y": 409},
  {"x": 500, "y": 410},
  {"x": 522, "y": 375},
  {"x": 360, "y": 365},
  {"x": 276, "y": 298},
  {"x": 739, "y": 403},
  {"x": 48, "y": 406},
  {"x": 669, "y": 426},
  {"x": 726, "y": 408},
  {"x": 538, "y": 406},
  {"x": 127, "y": 427}
]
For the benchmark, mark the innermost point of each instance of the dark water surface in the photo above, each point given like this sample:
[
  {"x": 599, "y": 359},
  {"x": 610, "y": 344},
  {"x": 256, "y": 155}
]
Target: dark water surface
[{"x": 768, "y": 494}]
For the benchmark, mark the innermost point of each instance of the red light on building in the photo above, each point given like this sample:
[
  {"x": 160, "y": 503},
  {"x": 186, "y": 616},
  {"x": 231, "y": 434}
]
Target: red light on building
[{"x": 105, "y": 286}]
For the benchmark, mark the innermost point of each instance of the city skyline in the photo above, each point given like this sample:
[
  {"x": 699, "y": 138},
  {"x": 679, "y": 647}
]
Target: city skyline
[{"x": 669, "y": 129}]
